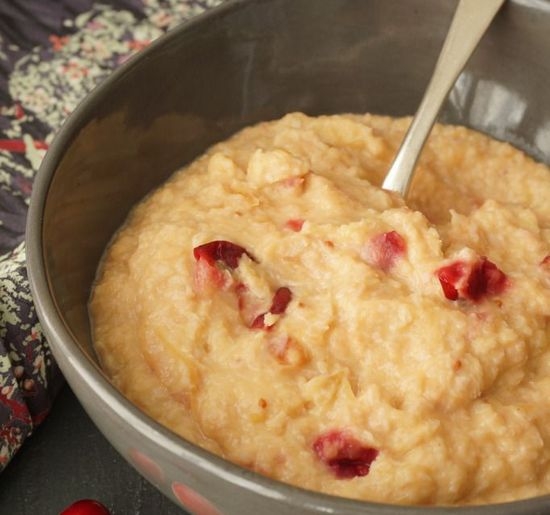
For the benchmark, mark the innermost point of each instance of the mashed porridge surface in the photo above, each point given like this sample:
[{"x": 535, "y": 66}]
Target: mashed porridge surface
[{"x": 273, "y": 305}]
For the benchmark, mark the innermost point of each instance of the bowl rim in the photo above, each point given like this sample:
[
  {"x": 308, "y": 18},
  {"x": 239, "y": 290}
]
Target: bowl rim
[{"x": 75, "y": 364}]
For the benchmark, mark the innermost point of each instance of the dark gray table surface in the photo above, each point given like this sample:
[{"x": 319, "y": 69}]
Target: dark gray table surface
[{"x": 69, "y": 459}]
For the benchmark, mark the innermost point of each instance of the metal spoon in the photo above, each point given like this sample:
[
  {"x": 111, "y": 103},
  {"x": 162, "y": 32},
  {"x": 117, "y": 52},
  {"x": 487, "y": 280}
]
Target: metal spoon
[{"x": 470, "y": 21}]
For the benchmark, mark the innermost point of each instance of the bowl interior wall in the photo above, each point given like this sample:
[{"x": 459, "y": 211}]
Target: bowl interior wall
[{"x": 255, "y": 61}]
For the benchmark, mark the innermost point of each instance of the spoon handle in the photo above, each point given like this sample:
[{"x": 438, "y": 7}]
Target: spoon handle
[{"x": 471, "y": 19}]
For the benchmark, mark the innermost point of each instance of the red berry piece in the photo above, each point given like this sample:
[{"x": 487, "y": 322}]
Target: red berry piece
[
  {"x": 545, "y": 263},
  {"x": 450, "y": 276},
  {"x": 344, "y": 454},
  {"x": 383, "y": 250},
  {"x": 258, "y": 322},
  {"x": 486, "y": 279},
  {"x": 86, "y": 507},
  {"x": 220, "y": 251},
  {"x": 294, "y": 224},
  {"x": 281, "y": 300},
  {"x": 471, "y": 281},
  {"x": 207, "y": 277}
]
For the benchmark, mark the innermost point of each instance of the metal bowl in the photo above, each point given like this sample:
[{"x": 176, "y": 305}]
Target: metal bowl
[{"x": 247, "y": 61}]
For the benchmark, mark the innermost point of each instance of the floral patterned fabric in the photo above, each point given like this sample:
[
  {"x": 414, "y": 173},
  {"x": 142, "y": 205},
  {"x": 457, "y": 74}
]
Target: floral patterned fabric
[{"x": 52, "y": 52}]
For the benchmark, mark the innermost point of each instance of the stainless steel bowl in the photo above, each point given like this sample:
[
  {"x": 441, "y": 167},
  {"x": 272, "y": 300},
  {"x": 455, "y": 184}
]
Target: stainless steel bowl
[{"x": 247, "y": 61}]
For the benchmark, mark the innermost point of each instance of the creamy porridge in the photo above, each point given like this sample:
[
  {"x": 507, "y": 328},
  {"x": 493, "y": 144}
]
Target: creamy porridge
[{"x": 272, "y": 304}]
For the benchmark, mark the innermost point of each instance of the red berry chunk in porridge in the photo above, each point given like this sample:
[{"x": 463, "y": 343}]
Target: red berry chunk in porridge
[
  {"x": 471, "y": 281},
  {"x": 281, "y": 299},
  {"x": 220, "y": 251},
  {"x": 208, "y": 276},
  {"x": 344, "y": 454},
  {"x": 383, "y": 250},
  {"x": 294, "y": 224}
]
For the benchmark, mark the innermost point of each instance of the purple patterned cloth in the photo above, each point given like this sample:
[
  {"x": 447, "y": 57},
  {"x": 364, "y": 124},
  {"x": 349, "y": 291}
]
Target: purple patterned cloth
[{"x": 52, "y": 52}]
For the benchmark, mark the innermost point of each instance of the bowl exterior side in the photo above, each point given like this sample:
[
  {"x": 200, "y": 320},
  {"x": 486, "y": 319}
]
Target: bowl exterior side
[{"x": 247, "y": 61}]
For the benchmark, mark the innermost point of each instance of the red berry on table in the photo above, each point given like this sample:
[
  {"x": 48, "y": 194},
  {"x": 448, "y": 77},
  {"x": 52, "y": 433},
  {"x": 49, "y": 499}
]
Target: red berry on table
[{"x": 86, "y": 507}]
